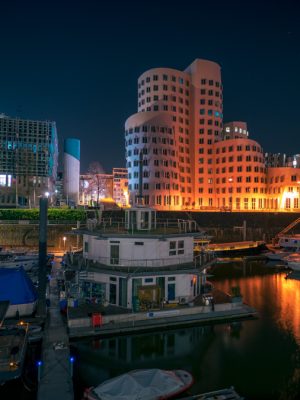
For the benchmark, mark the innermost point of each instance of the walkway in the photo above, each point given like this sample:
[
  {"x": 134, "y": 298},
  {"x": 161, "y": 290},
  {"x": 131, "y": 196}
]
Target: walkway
[{"x": 56, "y": 381}]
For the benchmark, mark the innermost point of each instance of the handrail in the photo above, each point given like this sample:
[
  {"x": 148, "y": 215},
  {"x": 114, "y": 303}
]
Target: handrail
[{"x": 287, "y": 228}]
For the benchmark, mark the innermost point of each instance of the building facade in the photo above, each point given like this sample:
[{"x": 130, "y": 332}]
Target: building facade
[
  {"x": 28, "y": 160},
  {"x": 71, "y": 170},
  {"x": 97, "y": 188},
  {"x": 189, "y": 159},
  {"x": 179, "y": 119},
  {"x": 120, "y": 187}
]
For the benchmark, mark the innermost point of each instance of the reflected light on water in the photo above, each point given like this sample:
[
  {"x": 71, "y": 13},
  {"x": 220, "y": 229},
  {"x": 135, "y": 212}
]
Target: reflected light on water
[{"x": 274, "y": 297}]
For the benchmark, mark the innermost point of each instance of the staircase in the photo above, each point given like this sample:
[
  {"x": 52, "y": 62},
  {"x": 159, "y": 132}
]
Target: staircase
[{"x": 289, "y": 227}]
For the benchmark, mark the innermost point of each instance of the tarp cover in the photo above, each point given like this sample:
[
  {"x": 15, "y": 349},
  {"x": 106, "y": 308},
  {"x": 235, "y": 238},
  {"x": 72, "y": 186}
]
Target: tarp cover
[
  {"x": 16, "y": 286},
  {"x": 143, "y": 384}
]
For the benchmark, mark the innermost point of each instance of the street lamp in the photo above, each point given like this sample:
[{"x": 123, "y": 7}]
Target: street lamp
[{"x": 64, "y": 239}]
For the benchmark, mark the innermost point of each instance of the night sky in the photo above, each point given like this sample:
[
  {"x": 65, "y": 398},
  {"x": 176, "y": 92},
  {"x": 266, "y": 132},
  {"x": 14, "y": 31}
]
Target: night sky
[{"x": 77, "y": 63}]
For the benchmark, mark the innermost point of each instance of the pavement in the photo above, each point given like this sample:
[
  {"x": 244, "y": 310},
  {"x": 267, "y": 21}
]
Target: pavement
[{"x": 56, "y": 369}]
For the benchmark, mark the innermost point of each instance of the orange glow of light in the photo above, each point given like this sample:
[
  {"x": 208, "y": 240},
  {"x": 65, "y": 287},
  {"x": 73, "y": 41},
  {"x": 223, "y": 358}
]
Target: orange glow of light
[{"x": 285, "y": 299}]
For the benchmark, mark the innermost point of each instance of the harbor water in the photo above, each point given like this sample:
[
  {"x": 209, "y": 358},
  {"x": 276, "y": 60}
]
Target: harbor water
[{"x": 259, "y": 357}]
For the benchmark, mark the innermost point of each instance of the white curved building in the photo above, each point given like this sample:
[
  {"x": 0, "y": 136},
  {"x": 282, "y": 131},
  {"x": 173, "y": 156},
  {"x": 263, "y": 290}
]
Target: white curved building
[
  {"x": 183, "y": 110},
  {"x": 71, "y": 173},
  {"x": 190, "y": 161}
]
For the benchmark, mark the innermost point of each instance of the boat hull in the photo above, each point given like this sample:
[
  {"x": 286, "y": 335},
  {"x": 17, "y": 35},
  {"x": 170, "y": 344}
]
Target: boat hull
[
  {"x": 136, "y": 385},
  {"x": 23, "y": 310},
  {"x": 237, "y": 249},
  {"x": 294, "y": 265},
  {"x": 15, "y": 341}
]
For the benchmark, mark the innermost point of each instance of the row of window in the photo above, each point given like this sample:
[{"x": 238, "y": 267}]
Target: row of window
[
  {"x": 166, "y": 97},
  {"x": 146, "y": 139},
  {"x": 174, "y": 89},
  {"x": 211, "y": 112},
  {"x": 154, "y": 151},
  {"x": 238, "y": 159},
  {"x": 180, "y": 80},
  {"x": 165, "y": 78},
  {"x": 157, "y": 174},
  {"x": 156, "y": 88},
  {"x": 239, "y": 148},
  {"x": 165, "y": 107},
  {"x": 203, "y": 121},
  {"x": 210, "y": 102},
  {"x": 151, "y": 128},
  {"x": 276, "y": 179}
]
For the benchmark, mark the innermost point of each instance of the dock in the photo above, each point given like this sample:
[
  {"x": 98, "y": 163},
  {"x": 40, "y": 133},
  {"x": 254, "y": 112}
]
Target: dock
[
  {"x": 129, "y": 323},
  {"x": 56, "y": 367}
]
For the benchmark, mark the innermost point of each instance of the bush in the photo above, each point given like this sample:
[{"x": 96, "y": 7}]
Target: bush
[{"x": 54, "y": 214}]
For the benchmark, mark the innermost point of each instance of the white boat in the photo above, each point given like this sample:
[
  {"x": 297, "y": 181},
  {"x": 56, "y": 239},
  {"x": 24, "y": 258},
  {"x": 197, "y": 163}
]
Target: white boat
[
  {"x": 277, "y": 255},
  {"x": 223, "y": 394},
  {"x": 294, "y": 265},
  {"x": 142, "y": 384},
  {"x": 17, "y": 288},
  {"x": 28, "y": 262},
  {"x": 289, "y": 242},
  {"x": 13, "y": 344}
]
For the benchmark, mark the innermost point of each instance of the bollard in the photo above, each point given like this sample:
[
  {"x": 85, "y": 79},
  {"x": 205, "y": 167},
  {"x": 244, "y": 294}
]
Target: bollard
[
  {"x": 72, "y": 359},
  {"x": 39, "y": 365}
]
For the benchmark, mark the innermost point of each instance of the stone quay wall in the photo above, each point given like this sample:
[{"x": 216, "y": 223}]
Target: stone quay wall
[{"x": 24, "y": 235}]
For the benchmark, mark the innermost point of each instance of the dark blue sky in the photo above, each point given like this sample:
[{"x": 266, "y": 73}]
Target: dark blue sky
[{"x": 77, "y": 63}]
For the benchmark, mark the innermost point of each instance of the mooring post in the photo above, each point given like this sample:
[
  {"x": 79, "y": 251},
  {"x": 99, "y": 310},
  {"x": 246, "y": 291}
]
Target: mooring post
[{"x": 42, "y": 276}]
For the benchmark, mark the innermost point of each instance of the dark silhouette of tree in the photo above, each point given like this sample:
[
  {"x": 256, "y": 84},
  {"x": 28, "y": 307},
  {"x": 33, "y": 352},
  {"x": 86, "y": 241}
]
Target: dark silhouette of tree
[{"x": 96, "y": 171}]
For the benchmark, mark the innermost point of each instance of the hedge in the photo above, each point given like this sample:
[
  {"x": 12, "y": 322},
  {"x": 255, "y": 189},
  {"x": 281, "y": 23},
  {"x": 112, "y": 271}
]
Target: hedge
[{"x": 33, "y": 214}]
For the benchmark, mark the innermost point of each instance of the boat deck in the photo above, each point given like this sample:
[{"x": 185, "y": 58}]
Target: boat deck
[
  {"x": 13, "y": 342},
  {"x": 223, "y": 394}
]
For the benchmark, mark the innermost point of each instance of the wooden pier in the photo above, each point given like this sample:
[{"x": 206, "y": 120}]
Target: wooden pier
[{"x": 56, "y": 365}]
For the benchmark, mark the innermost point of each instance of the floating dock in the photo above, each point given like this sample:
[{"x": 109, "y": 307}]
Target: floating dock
[
  {"x": 56, "y": 365},
  {"x": 80, "y": 325}
]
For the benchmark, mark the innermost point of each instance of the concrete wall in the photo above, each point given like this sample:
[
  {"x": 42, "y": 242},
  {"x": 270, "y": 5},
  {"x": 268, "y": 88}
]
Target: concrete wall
[{"x": 25, "y": 235}]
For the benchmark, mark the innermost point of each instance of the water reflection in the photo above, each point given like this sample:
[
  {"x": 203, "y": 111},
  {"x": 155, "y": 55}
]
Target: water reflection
[
  {"x": 276, "y": 298},
  {"x": 101, "y": 359},
  {"x": 259, "y": 357}
]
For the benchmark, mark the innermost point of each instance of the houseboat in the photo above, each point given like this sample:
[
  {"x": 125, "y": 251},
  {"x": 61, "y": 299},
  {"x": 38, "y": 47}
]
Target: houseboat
[{"x": 142, "y": 266}]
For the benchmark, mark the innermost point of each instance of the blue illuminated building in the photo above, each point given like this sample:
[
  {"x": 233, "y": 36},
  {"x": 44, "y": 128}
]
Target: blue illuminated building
[{"x": 28, "y": 160}]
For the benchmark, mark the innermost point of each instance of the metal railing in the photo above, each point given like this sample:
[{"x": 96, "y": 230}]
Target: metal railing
[
  {"x": 178, "y": 225},
  {"x": 37, "y": 222}
]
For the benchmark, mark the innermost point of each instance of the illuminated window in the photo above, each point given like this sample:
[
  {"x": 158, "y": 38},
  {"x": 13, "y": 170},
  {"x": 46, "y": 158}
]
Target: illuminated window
[{"x": 2, "y": 180}]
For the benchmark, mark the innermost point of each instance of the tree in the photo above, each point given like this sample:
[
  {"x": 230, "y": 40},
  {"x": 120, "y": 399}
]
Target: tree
[{"x": 96, "y": 179}]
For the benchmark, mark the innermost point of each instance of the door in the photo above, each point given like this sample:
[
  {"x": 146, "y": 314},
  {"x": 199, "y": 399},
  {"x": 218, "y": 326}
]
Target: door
[
  {"x": 171, "y": 291},
  {"x": 114, "y": 254}
]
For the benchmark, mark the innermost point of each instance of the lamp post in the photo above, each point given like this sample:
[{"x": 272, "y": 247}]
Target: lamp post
[{"x": 64, "y": 240}]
